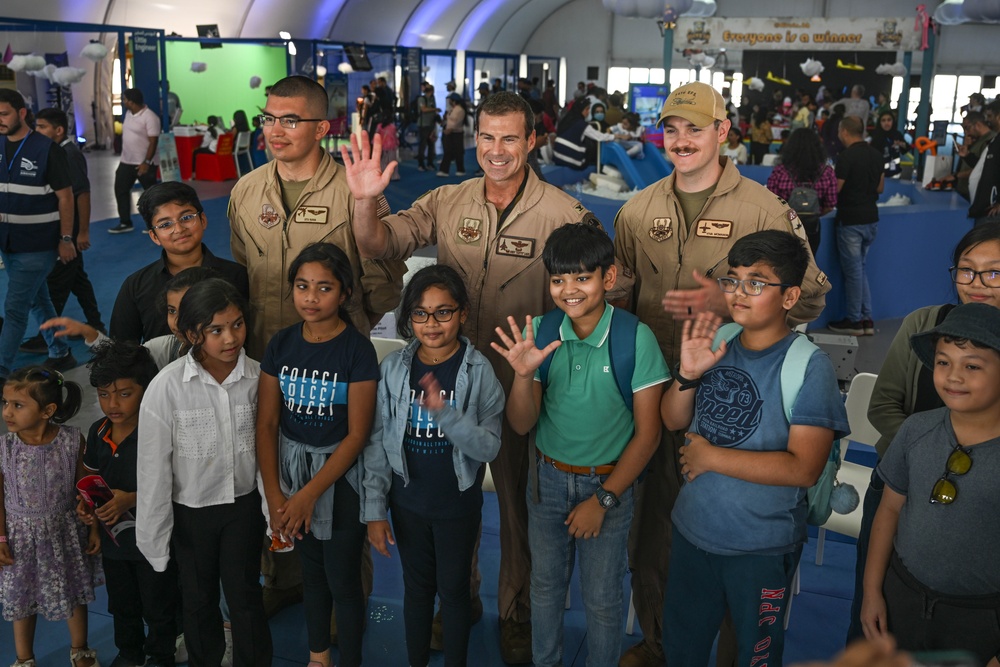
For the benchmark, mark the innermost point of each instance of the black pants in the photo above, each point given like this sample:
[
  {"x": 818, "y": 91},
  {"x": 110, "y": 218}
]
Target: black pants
[
  {"x": 436, "y": 556},
  {"x": 453, "y": 145},
  {"x": 758, "y": 151},
  {"x": 137, "y": 593},
  {"x": 222, "y": 542},
  {"x": 125, "y": 177},
  {"x": 331, "y": 577},
  {"x": 426, "y": 146},
  {"x": 71, "y": 278},
  {"x": 194, "y": 158}
]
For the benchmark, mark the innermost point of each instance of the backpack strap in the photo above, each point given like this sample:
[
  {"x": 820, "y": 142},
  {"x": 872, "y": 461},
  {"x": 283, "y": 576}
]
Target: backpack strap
[
  {"x": 548, "y": 331},
  {"x": 793, "y": 371},
  {"x": 624, "y": 326},
  {"x": 727, "y": 332}
]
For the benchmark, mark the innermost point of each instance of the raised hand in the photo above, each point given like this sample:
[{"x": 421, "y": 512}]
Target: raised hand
[
  {"x": 520, "y": 352},
  {"x": 686, "y": 304},
  {"x": 363, "y": 167},
  {"x": 433, "y": 399},
  {"x": 697, "y": 355}
]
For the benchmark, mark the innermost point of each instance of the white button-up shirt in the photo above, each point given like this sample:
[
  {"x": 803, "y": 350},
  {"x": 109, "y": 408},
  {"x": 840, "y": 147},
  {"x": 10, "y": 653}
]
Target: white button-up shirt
[{"x": 196, "y": 446}]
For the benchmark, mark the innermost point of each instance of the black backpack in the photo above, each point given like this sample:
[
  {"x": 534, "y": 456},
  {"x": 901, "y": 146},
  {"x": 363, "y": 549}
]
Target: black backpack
[{"x": 804, "y": 200}]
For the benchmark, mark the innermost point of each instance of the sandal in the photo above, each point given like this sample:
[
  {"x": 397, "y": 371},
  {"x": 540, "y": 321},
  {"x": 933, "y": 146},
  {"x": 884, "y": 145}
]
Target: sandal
[
  {"x": 30, "y": 662},
  {"x": 83, "y": 654}
]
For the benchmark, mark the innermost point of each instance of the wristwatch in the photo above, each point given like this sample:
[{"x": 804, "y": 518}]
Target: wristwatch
[
  {"x": 607, "y": 499},
  {"x": 66, "y": 239}
]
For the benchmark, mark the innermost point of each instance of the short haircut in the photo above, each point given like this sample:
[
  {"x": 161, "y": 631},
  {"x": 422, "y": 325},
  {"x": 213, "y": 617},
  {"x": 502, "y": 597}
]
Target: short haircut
[
  {"x": 12, "y": 97},
  {"x": 993, "y": 106},
  {"x": 115, "y": 360},
  {"x": 435, "y": 275},
  {"x": 578, "y": 247},
  {"x": 974, "y": 117},
  {"x": 503, "y": 103},
  {"x": 334, "y": 260},
  {"x": 134, "y": 95},
  {"x": 304, "y": 87},
  {"x": 167, "y": 192},
  {"x": 199, "y": 307},
  {"x": 54, "y": 117},
  {"x": 784, "y": 252},
  {"x": 859, "y": 89},
  {"x": 852, "y": 126}
]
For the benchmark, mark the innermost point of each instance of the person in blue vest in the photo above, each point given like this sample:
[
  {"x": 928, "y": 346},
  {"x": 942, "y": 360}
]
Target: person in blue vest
[
  {"x": 36, "y": 222},
  {"x": 571, "y": 147}
]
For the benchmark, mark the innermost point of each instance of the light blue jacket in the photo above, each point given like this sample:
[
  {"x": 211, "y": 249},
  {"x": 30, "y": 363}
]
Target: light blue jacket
[{"x": 474, "y": 431}]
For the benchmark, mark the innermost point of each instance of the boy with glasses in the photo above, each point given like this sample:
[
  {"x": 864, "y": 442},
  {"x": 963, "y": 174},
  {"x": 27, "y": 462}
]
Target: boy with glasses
[
  {"x": 740, "y": 518},
  {"x": 931, "y": 577}
]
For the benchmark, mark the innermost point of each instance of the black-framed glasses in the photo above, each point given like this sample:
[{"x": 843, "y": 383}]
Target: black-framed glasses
[
  {"x": 750, "y": 287},
  {"x": 440, "y": 315},
  {"x": 184, "y": 221},
  {"x": 961, "y": 276},
  {"x": 287, "y": 122},
  {"x": 959, "y": 462}
]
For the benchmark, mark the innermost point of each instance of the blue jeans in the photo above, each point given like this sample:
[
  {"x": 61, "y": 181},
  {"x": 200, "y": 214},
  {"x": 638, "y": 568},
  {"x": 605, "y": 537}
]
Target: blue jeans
[
  {"x": 602, "y": 567},
  {"x": 853, "y": 242},
  {"x": 27, "y": 292}
]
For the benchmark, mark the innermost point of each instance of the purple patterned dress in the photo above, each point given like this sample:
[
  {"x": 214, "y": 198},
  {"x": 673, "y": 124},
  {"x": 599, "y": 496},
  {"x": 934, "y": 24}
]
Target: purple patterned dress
[{"x": 51, "y": 573}]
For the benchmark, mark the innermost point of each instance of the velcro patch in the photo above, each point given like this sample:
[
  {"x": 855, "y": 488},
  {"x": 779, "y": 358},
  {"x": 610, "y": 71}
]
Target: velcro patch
[
  {"x": 516, "y": 246},
  {"x": 315, "y": 215},
  {"x": 714, "y": 229}
]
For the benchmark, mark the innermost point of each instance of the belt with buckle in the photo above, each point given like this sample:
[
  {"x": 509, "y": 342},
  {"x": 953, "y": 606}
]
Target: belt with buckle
[{"x": 606, "y": 469}]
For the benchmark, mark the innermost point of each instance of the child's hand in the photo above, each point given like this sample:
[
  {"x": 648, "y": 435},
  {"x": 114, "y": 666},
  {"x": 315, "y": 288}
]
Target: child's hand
[
  {"x": 873, "y": 616},
  {"x": 433, "y": 400},
  {"x": 83, "y": 512},
  {"x": 274, "y": 504},
  {"x": 695, "y": 456},
  {"x": 112, "y": 510},
  {"x": 586, "y": 519},
  {"x": 697, "y": 355},
  {"x": 93, "y": 541},
  {"x": 379, "y": 533},
  {"x": 297, "y": 514},
  {"x": 65, "y": 326},
  {"x": 6, "y": 557},
  {"x": 521, "y": 353}
]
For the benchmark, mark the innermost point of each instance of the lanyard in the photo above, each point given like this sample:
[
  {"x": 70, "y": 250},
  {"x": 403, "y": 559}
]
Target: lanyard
[{"x": 13, "y": 159}]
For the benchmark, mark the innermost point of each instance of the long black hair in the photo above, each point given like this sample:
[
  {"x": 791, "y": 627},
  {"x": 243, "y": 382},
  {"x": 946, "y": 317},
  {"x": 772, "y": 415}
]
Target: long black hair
[{"x": 803, "y": 155}]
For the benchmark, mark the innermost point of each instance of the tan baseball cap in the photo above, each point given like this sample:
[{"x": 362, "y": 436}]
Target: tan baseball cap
[{"x": 696, "y": 102}]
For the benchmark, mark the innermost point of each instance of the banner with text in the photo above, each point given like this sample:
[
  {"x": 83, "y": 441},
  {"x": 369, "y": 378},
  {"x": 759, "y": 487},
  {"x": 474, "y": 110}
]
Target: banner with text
[{"x": 834, "y": 34}]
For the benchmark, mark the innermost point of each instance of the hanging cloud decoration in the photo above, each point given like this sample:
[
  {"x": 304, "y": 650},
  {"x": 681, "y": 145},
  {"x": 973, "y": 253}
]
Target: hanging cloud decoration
[
  {"x": 44, "y": 73},
  {"x": 982, "y": 11},
  {"x": 811, "y": 67},
  {"x": 701, "y": 9},
  {"x": 94, "y": 51},
  {"x": 67, "y": 76},
  {"x": 702, "y": 60},
  {"x": 950, "y": 12},
  {"x": 345, "y": 68},
  {"x": 30, "y": 63},
  {"x": 654, "y": 9},
  {"x": 255, "y": 82},
  {"x": 753, "y": 83},
  {"x": 891, "y": 69},
  {"x": 198, "y": 67}
]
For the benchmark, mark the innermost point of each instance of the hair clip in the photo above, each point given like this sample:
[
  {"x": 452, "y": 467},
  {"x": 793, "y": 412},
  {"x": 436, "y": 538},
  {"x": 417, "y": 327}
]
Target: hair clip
[{"x": 51, "y": 374}]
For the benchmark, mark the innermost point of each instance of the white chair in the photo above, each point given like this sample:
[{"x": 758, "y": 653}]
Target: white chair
[
  {"x": 242, "y": 147},
  {"x": 384, "y": 346},
  {"x": 858, "y": 476}
]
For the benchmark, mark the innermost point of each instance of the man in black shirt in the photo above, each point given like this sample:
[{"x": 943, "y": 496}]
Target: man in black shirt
[
  {"x": 860, "y": 180},
  {"x": 984, "y": 191},
  {"x": 176, "y": 222}
]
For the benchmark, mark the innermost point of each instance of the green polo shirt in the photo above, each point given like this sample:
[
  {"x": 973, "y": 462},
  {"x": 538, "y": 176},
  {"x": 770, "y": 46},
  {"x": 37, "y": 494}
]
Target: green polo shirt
[{"x": 584, "y": 420}]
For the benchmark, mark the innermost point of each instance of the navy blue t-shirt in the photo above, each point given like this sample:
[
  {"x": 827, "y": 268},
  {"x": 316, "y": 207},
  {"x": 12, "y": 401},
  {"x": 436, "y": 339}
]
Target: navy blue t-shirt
[
  {"x": 433, "y": 489},
  {"x": 314, "y": 379},
  {"x": 116, "y": 463}
]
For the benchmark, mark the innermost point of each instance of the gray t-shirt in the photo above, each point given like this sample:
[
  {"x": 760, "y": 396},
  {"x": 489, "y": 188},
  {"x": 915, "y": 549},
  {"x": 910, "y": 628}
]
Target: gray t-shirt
[{"x": 951, "y": 548}]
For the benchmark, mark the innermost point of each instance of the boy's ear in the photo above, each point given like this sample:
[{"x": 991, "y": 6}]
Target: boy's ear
[
  {"x": 610, "y": 277},
  {"x": 791, "y": 295}
]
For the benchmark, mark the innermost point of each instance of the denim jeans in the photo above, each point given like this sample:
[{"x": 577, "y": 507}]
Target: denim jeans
[
  {"x": 853, "y": 242},
  {"x": 602, "y": 567},
  {"x": 27, "y": 291}
]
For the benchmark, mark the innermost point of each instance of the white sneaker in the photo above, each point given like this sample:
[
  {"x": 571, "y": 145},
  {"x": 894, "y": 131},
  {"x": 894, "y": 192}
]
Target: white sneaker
[
  {"x": 180, "y": 650},
  {"x": 227, "y": 657}
]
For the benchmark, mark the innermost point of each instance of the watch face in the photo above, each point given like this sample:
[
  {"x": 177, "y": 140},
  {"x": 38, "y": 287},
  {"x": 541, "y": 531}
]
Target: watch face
[{"x": 607, "y": 500}]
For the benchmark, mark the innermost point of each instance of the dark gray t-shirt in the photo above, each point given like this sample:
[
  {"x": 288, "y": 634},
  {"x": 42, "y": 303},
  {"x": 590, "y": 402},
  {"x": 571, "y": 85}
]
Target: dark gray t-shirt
[{"x": 949, "y": 548}]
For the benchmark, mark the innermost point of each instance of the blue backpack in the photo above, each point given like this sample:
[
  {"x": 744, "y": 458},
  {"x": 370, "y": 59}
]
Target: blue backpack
[
  {"x": 793, "y": 372},
  {"x": 621, "y": 352}
]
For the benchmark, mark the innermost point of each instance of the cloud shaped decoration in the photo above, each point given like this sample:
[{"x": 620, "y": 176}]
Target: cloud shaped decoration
[
  {"x": 702, "y": 60},
  {"x": 811, "y": 67},
  {"x": 345, "y": 68},
  {"x": 753, "y": 83},
  {"x": 954, "y": 12},
  {"x": 30, "y": 63},
  {"x": 67, "y": 76},
  {"x": 891, "y": 69},
  {"x": 198, "y": 67},
  {"x": 654, "y": 9},
  {"x": 94, "y": 51},
  {"x": 255, "y": 82}
]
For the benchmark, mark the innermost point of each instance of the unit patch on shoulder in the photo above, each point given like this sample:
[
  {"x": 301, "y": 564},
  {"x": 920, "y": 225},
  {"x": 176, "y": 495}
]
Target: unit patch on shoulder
[
  {"x": 791, "y": 215},
  {"x": 314, "y": 215},
  {"x": 714, "y": 229},
  {"x": 821, "y": 278},
  {"x": 516, "y": 246},
  {"x": 471, "y": 230},
  {"x": 662, "y": 229},
  {"x": 268, "y": 217}
]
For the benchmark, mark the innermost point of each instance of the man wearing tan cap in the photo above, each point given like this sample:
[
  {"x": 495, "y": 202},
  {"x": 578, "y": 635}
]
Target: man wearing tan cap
[{"x": 674, "y": 236}]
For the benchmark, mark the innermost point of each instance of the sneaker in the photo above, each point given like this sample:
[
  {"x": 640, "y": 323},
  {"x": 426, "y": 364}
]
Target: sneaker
[
  {"x": 61, "y": 363},
  {"x": 121, "y": 229},
  {"x": 36, "y": 345},
  {"x": 642, "y": 654},
  {"x": 180, "y": 650},
  {"x": 442, "y": 174},
  {"x": 847, "y": 327},
  {"x": 437, "y": 627},
  {"x": 460, "y": 173},
  {"x": 421, "y": 168},
  {"x": 515, "y": 642},
  {"x": 869, "y": 327}
]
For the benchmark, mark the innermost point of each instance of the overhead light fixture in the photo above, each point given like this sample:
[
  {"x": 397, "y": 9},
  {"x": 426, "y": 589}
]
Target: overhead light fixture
[{"x": 285, "y": 35}]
